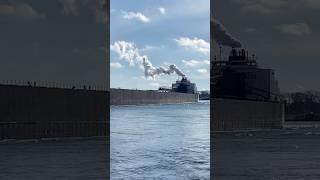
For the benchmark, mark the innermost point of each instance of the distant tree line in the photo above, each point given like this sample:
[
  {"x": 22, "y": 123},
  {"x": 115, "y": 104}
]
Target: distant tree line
[
  {"x": 302, "y": 105},
  {"x": 204, "y": 95}
]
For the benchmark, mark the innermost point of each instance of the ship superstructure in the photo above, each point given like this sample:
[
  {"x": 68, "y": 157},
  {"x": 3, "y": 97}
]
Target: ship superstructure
[
  {"x": 240, "y": 77},
  {"x": 184, "y": 86}
]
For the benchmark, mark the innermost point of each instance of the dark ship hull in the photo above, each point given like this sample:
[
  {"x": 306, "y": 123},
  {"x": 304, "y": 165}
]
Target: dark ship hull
[
  {"x": 183, "y": 91},
  {"x": 138, "y": 97}
]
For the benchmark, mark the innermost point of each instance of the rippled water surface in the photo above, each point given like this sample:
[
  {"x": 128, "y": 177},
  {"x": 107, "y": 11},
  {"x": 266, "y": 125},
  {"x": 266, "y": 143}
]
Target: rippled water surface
[
  {"x": 65, "y": 159},
  {"x": 160, "y": 141}
]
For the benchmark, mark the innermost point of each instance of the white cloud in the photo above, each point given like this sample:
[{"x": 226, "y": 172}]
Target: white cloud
[
  {"x": 151, "y": 47},
  {"x": 147, "y": 48},
  {"x": 195, "y": 63},
  {"x": 261, "y": 7},
  {"x": 155, "y": 84},
  {"x": 76, "y": 50},
  {"x": 112, "y": 10},
  {"x": 191, "y": 63},
  {"x": 21, "y": 11},
  {"x": 135, "y": 15},
  {"x": 166, "y": 63},
  {"x": 202, "y": 71},
  {"x": 116, "y": 65},
  {"x": 299, "y": 49},
  {"x": 207, "y": 62},
  {"x": 98, "y": 8},
  {"x": 265, "y": 3},
  {"x": 295, "y": 29},
  {"x": 271, "y": 7},
  {"x": 195, "y": 43},
  {"x": 250, "y": 30},
  {"x": 126, "y": 51},
  {"x": 312, "y": 4},
  {"x": 70, "y": 7},
  {"x": 162, "y": 10},
  {"x": 101, "y": 12},
  {"x": 258, "y": 9},
  {"x": 104, "y": 49},
  {"x": 190, "y": 8}
]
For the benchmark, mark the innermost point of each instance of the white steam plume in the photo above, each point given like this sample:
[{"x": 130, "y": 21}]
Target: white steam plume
[
  {"x": 222, "y": 36},
  {"x": 128, "y": 52}
]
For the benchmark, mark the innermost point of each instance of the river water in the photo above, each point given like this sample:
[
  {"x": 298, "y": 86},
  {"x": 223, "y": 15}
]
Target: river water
[
  {"x": 160, "y": 141},
  {"x": 65, "y": 159}
]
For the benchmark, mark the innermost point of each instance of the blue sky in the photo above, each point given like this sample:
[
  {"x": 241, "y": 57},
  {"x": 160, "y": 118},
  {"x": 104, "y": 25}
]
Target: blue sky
[
  {"x": 283, "y": 34},
  {"x": 167, "y": 32},
  {"x": 61, "y": 41}
]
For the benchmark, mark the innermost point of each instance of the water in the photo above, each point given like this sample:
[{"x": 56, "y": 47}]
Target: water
[
  {"x": 160, "y": 141},
  {"x": 67, "y": 159},
  {"x": 286, "y": 154}
]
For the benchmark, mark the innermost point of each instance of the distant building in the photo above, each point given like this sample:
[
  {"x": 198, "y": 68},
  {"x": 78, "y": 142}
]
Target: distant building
[{"x": 240, "y": 77}]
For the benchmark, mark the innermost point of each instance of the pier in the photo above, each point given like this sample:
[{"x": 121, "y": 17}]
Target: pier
[
  {"x": 235, "y": 115},
  {"x": 33, "y": 110}
]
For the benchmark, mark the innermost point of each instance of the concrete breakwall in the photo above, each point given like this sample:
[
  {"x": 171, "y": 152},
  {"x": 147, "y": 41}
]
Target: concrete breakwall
[
  {"x": 39, "y": 112},
  {"x": 230, "y": 114},
  {"x": 135, "y": 97}
]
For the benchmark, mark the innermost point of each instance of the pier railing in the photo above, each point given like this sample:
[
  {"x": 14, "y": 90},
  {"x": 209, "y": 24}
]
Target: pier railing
[
  {"x": 51, "y": 110},
  {"x": 53, "y": 84}
]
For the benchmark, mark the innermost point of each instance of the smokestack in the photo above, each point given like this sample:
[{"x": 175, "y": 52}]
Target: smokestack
[
  {"x": 128, "y": 51},
  {"x": 222, "y": 36}
]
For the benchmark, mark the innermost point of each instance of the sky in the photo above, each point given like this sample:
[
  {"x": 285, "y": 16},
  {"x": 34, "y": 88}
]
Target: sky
[
  {"x": 166, "y": 32},
  {"x": 284, "y": 35},
  {"x": 62, "y": 41}
]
